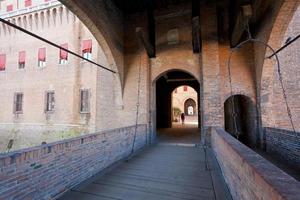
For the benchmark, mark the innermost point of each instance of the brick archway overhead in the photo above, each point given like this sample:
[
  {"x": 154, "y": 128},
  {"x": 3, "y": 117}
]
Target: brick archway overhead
[{"x": 274, "y": 35}]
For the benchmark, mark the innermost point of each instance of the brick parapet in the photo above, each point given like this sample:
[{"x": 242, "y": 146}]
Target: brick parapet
[
  {"x": 46, "y": 171},
  {"x": 247, "y": 174}
]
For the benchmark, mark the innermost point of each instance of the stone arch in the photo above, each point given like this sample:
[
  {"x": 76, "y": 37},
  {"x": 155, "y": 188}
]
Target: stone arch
[
  {"x": 30, "y": 21},
  {"x": 36, "y": 21},
  {"x": 190, "y": 103},
  {"x": 267, "y": 76},
  {"x": 19, "y": 21},
  {"x": 13, "y": 21},
  {"x": 42, "y": 16},
  {"x": 48, "y": 17},
  {"x": 25, "y": 21},
  {"x": 164, "y": 84},
  {"x": 172, "y": 70},
  {"x": 9, "y": 27},
  {"x": 245, "y": 122},
  {"x": 54, "y": 15},
  {"x": 101, "y": 30},
  {"x": 61, "y": 14}
]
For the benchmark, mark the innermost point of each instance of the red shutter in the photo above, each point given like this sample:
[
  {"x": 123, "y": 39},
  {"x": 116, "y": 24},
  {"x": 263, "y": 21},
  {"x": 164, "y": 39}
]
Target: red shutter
[
  {"x": 22, "y": 56},
  {"x": 9, "y": 8},
  {"x": 42, "y": 54},
  {"x": 63, "y": 55},
  {"x": 185, "y": 88},
  {"x": 28, "y": 3},
  {"x": 87, "y": 46},
  {"x": 2, "y": 61}
]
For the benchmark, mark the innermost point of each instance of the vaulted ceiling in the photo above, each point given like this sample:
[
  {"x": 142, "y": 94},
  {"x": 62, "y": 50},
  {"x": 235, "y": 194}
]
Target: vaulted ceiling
[
  {"x": 133, "y": 6},
  {"x": 230, "y": 21}
]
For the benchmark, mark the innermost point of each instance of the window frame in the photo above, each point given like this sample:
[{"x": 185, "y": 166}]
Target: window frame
[
  {"x": 16, "y": 110},
  {"x": 41, "y": 64},
  {"x": 22, "y": 64},
  {"x": 87, "y": 55},
  {"x": 49, "y": 105},
  {"x": 81, "y": 101},
  {"x": 63, "y": 61}
]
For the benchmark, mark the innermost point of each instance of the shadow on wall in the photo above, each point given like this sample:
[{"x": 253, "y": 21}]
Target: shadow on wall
[{"x": 244, "y": 126}]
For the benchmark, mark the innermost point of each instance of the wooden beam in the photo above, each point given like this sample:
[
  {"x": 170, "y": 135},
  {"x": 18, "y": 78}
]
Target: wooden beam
[
  {"x": 242, "y": 18},
  {"x": 145, "y": 42},
  {"x": 196, "y": 34}
]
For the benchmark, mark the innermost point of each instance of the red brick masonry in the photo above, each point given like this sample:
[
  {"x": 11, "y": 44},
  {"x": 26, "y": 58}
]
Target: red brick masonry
[
  {"x": 46, "y": 171},
  {"x": 248, "y": 175}
]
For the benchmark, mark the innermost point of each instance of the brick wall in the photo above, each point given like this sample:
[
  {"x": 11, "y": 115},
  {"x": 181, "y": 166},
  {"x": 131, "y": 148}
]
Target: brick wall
[
  {"x": 282, "y": 23},
  {"x": 46, "y": 171},
  {"x": 284, "y": 144},
  {"x": 247, "y": 174},
  {"x": 34, "y": 125}
]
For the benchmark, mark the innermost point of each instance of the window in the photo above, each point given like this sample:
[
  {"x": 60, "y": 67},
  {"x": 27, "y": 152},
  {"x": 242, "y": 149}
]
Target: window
[
  {"x": 18, "y": 103},
  {"x": 28, "y": 3},
  {"x": 84, "y": 101},
  {"x": 9, "y": 8},
  {"x": 185, "y": 88},
  {"x": 42, "y": 57},
  {"x": 22, "y": 55},
  {"x": 63, "y": 55},
  {"x": 87, "y": 49},
  {"x": 2, "y": 62},
  {"x": 50, "y": 101},
  {"x": 173, "y": 36}
]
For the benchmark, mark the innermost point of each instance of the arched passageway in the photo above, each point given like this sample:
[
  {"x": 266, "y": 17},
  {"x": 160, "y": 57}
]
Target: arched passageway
[
  {"x": 165, "y": 86},
  {"x": 244, "y": 125},
  {"x": 190, "y": 107}
]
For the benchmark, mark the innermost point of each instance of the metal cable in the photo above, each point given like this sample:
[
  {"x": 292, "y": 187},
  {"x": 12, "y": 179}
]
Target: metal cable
[
  {"x": 53, "y": 44},
  {"x": 250, "y": 39},
  {"x": 138, "y": 102}
]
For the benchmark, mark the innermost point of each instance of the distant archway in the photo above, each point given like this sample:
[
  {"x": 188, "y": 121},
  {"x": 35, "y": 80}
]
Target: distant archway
[
  {"x": 164, "y": 86},
  {"x": 190, "y": 107}
]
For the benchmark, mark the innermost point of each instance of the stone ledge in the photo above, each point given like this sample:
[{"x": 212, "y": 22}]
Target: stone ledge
[
  {"x": 248, "y": 175},
  {"x": 24, "y": 155}
]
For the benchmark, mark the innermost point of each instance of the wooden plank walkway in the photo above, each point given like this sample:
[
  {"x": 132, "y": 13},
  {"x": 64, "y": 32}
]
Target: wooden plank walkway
[{"x": 161, "y": 172}]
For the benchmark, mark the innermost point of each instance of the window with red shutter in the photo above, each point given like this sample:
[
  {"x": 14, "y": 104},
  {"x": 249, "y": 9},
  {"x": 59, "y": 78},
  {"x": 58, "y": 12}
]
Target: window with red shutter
[
  {"x": 42, "y": 57},
  {"x": 2, "y": 62},
  {"x": 87, "y": 49},
  {"x": 9, "y": 8},
  {"x": 63, "y": 55},
  {"x": 22, "y": 57},
  {"x": 185, "y": 88},
  {"x": 28, "y": 3}
]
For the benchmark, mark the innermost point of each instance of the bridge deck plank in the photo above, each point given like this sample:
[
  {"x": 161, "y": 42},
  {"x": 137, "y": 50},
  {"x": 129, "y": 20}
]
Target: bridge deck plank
[{"x": 162, "y": 172}]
